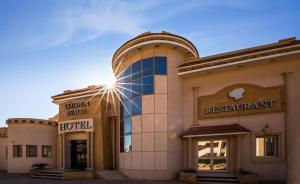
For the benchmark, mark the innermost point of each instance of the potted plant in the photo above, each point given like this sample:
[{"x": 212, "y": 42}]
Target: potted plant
[
  {"x": 188, "y": 175},
  {"x": 37, "y": 167},
  {"x": 40, "y": 165}
]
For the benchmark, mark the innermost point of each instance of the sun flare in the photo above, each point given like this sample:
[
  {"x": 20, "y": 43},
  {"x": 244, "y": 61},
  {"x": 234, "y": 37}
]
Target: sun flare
[{"x": 110, "y": 84}]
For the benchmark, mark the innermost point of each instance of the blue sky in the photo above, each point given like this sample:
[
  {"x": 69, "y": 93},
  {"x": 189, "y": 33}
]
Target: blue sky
[{"x": 50, "y": 46}]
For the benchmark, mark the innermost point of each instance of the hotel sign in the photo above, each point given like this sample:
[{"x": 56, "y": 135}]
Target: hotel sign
[
  {"x": 77, "y": 108},
  {"x": 241, "y": 99},
  {"x": 86, "y": 125}
]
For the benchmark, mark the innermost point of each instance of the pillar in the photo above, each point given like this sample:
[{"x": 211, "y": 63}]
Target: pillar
[
  {"x": 92, "y": 150},
  {"x": 88, "y": 150},
  {"x": 63, "y": 147},
  {"x": 190, "y": 153}
]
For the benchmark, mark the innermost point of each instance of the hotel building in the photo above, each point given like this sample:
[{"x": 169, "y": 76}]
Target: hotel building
[{"x": 172, "y": 109}]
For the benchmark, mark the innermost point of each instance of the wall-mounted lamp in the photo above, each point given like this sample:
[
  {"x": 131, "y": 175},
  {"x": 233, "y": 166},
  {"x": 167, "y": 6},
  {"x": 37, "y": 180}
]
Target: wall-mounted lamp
[{"x": 266, "y": 129}]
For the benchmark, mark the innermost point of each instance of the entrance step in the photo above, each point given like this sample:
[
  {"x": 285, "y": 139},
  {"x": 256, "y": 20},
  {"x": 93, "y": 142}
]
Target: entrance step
[
  {"x": 111, "y": 175},
  {"x": 51, "y": 174},
  {"x": 218, "y": 178}
]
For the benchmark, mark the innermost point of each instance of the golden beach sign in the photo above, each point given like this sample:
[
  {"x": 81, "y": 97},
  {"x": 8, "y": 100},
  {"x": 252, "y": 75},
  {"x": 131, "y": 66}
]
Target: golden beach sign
[{"x": 241, "y": 99}]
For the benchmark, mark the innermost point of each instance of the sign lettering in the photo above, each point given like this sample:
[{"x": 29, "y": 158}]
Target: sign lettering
[{"x": 85, "y": 125}]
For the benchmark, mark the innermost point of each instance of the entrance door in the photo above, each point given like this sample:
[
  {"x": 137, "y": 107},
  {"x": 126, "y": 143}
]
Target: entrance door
[
  {"x": 212, "y": 155},
  {"x": 78, "y": 154}
]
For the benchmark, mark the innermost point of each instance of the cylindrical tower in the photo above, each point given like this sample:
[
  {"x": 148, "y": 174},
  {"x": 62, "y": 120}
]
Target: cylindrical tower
[{"x": 151, "y": 114}]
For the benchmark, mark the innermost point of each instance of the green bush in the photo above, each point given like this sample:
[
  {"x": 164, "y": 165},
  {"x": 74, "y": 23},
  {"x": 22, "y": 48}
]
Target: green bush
[
  {"x": 39, "y": 165},
  {"x": 189, "y": 170}
]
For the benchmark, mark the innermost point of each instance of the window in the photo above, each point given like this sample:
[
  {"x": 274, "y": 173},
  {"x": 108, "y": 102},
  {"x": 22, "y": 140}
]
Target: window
[
  {"x": 127, "y": 143},
  {"x": 160, "y": 67},
  {"x": 266, "y": 146},
  {"x": 127, "y": 126},
  {"x": 31, "y": 150},
  {"x": 17, "y": 150},
  {"x": 127, "y": 108},
  {"x": 137, "y": 87},
  {"x": 137, "y": 105},
  {"x": 127, "y": 90},
  {"x": 135, "y": 81},
  {"x": 136, "y": 70},
  {"x": 148, "y": 87},
  {"x": 46, "y": 151},
  {"x": 147, "y": 66}
]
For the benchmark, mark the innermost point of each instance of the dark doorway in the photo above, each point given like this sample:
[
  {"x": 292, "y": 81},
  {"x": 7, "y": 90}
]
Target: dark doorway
[{"x": 78, "y": 154}]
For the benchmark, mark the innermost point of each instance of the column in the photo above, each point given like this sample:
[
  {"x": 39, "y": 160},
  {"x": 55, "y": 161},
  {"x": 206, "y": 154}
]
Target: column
[
  {"x": 190, "y": 154},
  {"x": 88, "y": 151},
  {"x": 92, "y": 150},
  {"x": 63, "y": 151},
  {"x": 195, "y": 104},
  {"x": 113, "y": 140}
]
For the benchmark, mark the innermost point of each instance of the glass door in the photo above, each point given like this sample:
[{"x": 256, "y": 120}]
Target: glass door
[
  {"x": 78, "y": 154},
  {"x": 212, "y": 155}
]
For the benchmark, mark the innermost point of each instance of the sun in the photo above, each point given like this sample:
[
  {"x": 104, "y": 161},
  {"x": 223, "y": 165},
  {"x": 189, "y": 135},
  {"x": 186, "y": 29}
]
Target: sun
[{"x": 110, "y": 84}]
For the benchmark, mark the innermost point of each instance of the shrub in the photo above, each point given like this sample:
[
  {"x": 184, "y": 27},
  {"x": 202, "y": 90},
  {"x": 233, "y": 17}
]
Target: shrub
[
  {"x": 189, "y": 170},
  {"x": 39, "y": 165}
]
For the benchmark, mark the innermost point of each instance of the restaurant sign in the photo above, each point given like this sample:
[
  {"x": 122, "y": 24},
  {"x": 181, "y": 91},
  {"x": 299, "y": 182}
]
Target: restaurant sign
[
  {"x": 241, "y": 99},
  {"x": 86, "y": 125}
]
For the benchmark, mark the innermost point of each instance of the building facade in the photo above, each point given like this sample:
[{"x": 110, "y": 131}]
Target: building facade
[
  {"x": 84, "y": 130},
  {"x": 171, "y": 109},
  {"x": 231, "y": 112},
  {"x": 26, "y": 142}
]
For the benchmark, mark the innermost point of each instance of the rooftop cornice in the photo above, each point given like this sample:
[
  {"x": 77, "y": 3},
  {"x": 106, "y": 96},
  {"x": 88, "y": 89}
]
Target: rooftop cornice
[
  {"x": 31, "y": 121},
  {"x": 78, "y": 93},
  {"x": 276, "y": 49},
  {"x": 153, "y": 38}
]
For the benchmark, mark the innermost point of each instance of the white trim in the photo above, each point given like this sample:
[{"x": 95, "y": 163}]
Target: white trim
[
  {"x": 152, "y": 42},
  {"x": 209, "y": 135},
  {"x": 216, "y": 61},
  {"x": 235, "y": 63}
]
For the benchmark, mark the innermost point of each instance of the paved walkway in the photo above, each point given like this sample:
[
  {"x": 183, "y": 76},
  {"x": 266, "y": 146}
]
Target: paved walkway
[{"x": 23, "y": 179}]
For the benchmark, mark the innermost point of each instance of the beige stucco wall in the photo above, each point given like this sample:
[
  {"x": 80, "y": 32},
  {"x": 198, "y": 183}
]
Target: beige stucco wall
[
  {"x": 30, "y": 134},
  {"x": 3, "y": 159},
  {"x": 264, "y": 75}
]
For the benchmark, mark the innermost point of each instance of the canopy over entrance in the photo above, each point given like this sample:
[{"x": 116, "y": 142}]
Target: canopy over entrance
[{"x": 204, "y": 131}]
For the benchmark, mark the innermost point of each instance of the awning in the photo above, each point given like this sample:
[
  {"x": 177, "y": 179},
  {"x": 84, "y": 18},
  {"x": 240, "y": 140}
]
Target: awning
[{"x": 204, "y": 131}]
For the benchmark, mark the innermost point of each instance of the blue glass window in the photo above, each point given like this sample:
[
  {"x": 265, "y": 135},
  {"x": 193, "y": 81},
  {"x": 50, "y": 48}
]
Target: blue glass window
[
  {"x": 127, "y": 126},
  {"x": 137, "y": 70},
  {"x": 127, "y": 74},
  {"x": 137, "y": 105},
  {"x": 127, "y": 108},
  {"x": 137, "y": 87},
  {"x": 148, "y": 87},
  {"x": 127, "y": 143},
  {"x": 147, "y": 66},
  {"x": 160, "y": 66},
  {"x": 127, "y": 91}
]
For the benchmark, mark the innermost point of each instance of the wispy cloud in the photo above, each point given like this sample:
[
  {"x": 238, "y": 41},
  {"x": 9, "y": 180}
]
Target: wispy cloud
[{"x": 79, "y": 21}]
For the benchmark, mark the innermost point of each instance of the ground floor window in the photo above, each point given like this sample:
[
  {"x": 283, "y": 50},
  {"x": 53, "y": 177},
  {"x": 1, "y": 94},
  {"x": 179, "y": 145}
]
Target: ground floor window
[
  {"x": 31, "y": 150},
  {"x": 266, "y": 146},
  {"x": 17, "y": 150},
  {"x": 46, "y": 151}
]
